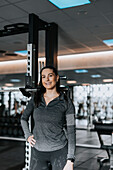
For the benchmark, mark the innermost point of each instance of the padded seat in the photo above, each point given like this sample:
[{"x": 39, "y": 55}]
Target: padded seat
[{"x": 105, "y": 129}]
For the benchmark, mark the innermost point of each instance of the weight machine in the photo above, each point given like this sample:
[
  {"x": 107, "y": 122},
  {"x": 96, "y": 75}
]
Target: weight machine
[
  {"x": 51, "y": 47},
  {"x": 51, "y": 31},
  {"x": 105, "y": 129}
]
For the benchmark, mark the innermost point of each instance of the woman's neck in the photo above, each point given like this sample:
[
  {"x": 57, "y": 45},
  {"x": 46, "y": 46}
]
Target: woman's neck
[{"x": 51, "y": 93}]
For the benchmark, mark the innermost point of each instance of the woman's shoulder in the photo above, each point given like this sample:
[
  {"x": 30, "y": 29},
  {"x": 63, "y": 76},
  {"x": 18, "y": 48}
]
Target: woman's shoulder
[{"x": 65, "y": 96}]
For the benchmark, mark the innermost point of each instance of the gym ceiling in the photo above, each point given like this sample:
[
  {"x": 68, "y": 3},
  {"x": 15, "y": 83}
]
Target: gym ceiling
[{"x": 82, "y": 29}]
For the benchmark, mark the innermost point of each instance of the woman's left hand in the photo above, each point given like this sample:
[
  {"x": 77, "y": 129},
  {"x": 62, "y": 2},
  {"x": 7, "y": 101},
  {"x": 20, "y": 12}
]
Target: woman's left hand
[{"x": 69, "y": 165}]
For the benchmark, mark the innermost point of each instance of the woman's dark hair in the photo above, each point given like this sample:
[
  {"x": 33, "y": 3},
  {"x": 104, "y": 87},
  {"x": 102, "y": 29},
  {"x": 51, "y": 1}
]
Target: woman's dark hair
[{"x": 42, "y": 90}]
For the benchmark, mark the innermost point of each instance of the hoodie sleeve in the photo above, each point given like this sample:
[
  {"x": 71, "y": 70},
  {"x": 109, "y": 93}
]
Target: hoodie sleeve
[
  {"x": 71, "y": 132},
  {"x": 25, "y": 118}
]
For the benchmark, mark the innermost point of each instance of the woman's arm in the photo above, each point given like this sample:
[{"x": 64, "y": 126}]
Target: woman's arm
[
  {"x": 25, "y": 117},
  {"x": 71, "y": 134}
]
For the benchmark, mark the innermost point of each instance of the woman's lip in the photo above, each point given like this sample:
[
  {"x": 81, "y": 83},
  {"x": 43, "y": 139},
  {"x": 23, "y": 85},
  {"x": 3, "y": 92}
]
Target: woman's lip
[{"x": 48, "y": 83}]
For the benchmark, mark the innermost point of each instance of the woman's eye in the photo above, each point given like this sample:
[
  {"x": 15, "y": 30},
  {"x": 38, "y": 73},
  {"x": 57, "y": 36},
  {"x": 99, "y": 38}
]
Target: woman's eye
[{"x": 50, "y": 75}]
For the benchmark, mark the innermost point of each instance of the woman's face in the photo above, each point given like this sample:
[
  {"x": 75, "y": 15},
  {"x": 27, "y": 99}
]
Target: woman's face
[{"x": 49, "y": 78}]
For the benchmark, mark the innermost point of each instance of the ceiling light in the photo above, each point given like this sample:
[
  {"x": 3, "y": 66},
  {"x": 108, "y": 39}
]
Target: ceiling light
[
  {"x": 71, "y": 82},
  {"x": 69, "y": 3},
  {"x": 9, "y": 84},
  {"x": 63, "y": 77},
  {"x": 62, "y": 85},
  {"x": 85, "y": 84},
  {"x": 81, "y": 71},
  {"x": 96, "y": 76},
  {"x": 24, "y": 52},
  {"x": 107, "y": 80},
  {"x": 15, "y": 80},
  {"x": 108, "y": 42}
]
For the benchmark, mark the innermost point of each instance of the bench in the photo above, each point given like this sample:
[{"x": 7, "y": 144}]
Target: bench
[{"x": 105, "y": 129}]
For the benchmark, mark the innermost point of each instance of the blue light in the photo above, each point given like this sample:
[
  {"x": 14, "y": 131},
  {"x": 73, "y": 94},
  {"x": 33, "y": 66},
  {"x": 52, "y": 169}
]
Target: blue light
[
  {"x": 15, "y": 80},
  {"x": 96, "y": 76},
  {"x": 69, "y": 3},
  {"x": 24, "y": 52},
  {"x": 108, "y": 42},
  {"x": 81, "y": 71}
]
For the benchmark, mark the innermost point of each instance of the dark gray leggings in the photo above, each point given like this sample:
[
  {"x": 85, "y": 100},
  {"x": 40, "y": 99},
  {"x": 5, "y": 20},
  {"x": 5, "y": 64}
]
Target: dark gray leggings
[{"x": 41, "y": 160}]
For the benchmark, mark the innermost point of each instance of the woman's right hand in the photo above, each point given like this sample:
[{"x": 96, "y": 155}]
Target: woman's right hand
[{"x": 31, "y": 140}]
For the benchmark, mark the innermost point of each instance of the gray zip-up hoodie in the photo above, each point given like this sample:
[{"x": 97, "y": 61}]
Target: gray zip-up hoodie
[{"x": 49, "y": 121}]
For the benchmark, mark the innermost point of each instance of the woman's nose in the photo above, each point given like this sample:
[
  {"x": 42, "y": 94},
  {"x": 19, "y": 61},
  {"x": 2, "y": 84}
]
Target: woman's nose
[{"x": 47, "y": 78}]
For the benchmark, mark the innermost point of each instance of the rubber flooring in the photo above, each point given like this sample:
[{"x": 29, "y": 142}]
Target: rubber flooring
[{"x": 12, "y": 153}]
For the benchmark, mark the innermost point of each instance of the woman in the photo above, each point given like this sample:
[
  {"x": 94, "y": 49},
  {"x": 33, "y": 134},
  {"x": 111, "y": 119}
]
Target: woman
[{"x": 52, "y": 109}]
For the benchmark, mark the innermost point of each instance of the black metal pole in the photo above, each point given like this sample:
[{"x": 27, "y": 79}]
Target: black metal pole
[
  {"x": 33, "y": 39},
  {"x": 2, "y": 97},
  {"x": 51, "y": 44},
  {"x": 9, "y": 102}
]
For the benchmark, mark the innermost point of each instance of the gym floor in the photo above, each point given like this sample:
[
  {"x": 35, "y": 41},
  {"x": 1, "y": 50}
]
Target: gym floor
[{"x": 12, "y": 153}]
